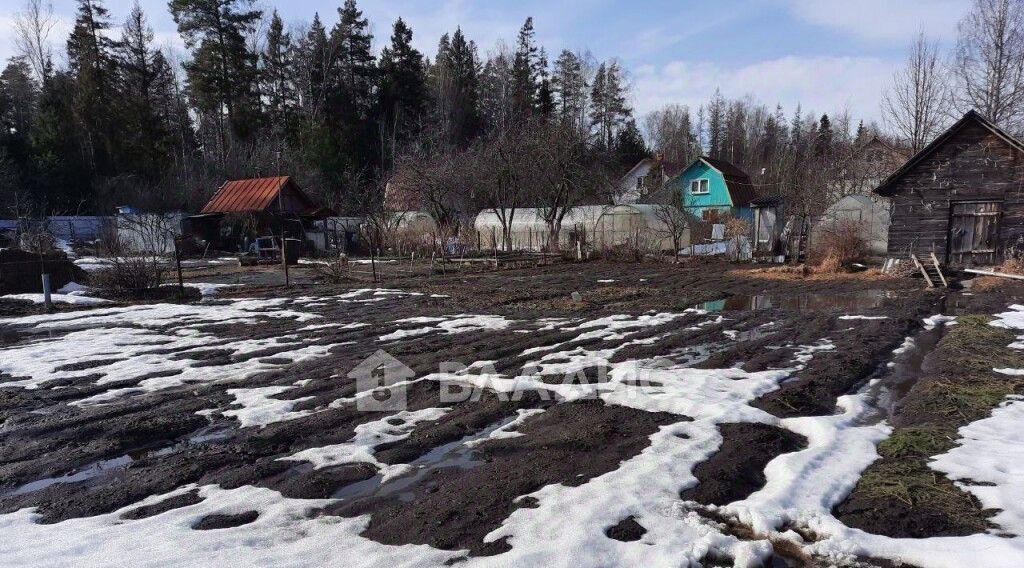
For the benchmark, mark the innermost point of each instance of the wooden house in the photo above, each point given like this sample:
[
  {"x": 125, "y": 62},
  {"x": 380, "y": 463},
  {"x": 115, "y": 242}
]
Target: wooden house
[
  {"x": 646, "y": 177},
  {"x": 961, "y": 197},
  {"x": 242, "y": 210},
  {"x": 714, "y": 189}
]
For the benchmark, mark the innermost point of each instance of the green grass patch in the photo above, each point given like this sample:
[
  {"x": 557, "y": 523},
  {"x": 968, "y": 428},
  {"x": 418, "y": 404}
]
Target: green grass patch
[{"x": 918, "y": 442}]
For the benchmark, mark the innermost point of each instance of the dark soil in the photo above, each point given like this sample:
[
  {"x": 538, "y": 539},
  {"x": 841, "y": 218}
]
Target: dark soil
[
  {"x": 218, "y": 521},
  {"x": 626, "y": 530},
  {"x": 737, "y": 469},
  {"x": 455, "y": 509},
  {"x": 42, "y": 436}
]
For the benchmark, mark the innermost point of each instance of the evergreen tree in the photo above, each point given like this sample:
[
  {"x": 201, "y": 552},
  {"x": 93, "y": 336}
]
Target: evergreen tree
[
  {"x": 222, "y": 74},
  {"x": 545, "y": 94},
  {"x": 525, "y": 71},
  {"x": 315, "y": 58},
  {"x": 403, "y": 86},
  {"x": 93, "y": 68},
  {"x": 823, "y": 141},
  {"x": 278, "y": 82},
  {"x": 630, "y": 146},
  {"x": 355, "y": 71},
  {"x": 608, "y": 109},
  {"x": 146, "y": 126},
  {"x": 570, "y": 90}
]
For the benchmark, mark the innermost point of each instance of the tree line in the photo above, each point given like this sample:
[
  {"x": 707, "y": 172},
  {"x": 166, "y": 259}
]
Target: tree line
[{"x": 121, "y": 121}]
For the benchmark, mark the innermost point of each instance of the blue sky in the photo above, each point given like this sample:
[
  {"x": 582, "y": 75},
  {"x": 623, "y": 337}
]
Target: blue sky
[{"x": 824, "y": 54}]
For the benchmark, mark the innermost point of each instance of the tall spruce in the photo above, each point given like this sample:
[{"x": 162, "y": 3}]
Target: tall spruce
[
  {"x": 145, "y": 119},
  {"x": 454, "y": 85},
  {"x": 278, "y": 79},
  {"x": 92, "y": 65},
  {"x": 525, "y": 71},
  {"x": 403, "y": 89}
]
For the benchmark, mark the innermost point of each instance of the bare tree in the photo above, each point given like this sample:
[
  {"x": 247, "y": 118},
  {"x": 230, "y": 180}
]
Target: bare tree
[
  {"x": 671, "y": 133},
  {"x": 32, "y": 28},
  {"x": 673, "y": 222},
  {"x": 917, "y": 103},
  {"x": 566, "y": 171},
  {"x": 990, "y": 61},
  {"x": 504, "y": 179}
]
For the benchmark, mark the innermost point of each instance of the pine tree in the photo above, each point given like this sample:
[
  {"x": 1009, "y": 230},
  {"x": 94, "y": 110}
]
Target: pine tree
[
  {"x": 570, "y": 90},
  {"x": 277, "y": 78},
  {"x": 608, "y": 108},
  {"x": 222, "y": 75},
  {"x": 403, "y": 86}
]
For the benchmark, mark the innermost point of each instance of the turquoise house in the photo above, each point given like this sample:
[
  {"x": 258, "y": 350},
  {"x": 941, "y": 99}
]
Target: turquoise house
[{"x": 712, "y": 189}]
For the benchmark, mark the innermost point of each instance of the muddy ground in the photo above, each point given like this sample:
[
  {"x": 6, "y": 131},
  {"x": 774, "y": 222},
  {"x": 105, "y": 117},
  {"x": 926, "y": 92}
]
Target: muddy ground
[{"x": 73, "y": 461}]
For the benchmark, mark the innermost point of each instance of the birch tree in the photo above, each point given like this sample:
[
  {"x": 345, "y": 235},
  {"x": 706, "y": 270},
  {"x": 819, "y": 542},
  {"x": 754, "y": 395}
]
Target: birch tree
[
  {"x": 916, "y": 105},
  {"x": 989, "y": 61}
]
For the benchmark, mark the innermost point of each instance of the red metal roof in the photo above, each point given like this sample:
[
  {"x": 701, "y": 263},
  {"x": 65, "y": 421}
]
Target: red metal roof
[{"x": 255, "y": 194}]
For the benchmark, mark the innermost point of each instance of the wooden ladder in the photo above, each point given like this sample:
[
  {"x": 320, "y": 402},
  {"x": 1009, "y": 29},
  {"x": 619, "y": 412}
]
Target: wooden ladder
[{"x": 930, "y": 270}]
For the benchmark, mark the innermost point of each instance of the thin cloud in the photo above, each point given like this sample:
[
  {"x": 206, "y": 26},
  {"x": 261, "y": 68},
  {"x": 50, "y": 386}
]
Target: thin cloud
[
  {"x": 822, "y": 84},
  {"x": 885, "y": 20}
]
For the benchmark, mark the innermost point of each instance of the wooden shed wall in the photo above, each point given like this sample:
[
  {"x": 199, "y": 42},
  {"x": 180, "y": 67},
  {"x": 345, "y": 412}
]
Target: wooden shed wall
[{"x": 973, "y": 164}]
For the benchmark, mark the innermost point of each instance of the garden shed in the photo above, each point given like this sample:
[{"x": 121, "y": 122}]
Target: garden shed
[{"x": 960, "y": 197}]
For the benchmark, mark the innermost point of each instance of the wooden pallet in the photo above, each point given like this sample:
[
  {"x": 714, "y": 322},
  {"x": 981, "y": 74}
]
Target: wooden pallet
[{"x": 930, "y": 270}]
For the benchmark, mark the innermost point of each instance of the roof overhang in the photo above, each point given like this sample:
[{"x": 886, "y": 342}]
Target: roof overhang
[{"x": 887, "y": 187}]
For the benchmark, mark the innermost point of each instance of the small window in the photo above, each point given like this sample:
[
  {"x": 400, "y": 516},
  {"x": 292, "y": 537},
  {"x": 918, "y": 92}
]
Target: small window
[
  {"x": 640, "y": 182},
  {"x": 699, "y": 186}
]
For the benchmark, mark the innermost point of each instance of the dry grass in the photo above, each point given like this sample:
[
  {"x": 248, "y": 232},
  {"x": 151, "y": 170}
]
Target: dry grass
[
  {"x": 804, "y": 272},
  {"x": 840, "y": 246}
]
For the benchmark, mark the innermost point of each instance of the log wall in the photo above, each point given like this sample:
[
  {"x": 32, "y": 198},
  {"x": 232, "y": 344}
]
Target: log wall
[{"x": 973, "y": 164}]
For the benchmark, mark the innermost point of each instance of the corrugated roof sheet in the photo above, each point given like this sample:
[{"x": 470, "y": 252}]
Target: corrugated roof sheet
[{"x": 255, "y": 194}]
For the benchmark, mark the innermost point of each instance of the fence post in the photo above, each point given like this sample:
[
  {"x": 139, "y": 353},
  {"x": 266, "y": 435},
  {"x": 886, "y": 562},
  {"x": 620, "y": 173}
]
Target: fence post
[{"x": 47, "y": 301}]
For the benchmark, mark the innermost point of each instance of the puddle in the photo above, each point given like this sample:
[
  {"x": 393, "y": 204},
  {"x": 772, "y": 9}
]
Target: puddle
[
  {"x": 899, "y": 375},
  {"x": 205, "y": 435},
  {"x": 90, "y": 471},
  {"x": 457, "y": 454},
  {"x": 846, "y": 301}
]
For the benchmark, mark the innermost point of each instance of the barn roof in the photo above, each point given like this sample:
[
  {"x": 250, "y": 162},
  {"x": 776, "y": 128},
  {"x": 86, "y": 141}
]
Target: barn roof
[
  {"x": 972, "y": 117},
  {"x": 741, "y": 187},
  {"x": 256, "y": 194}
]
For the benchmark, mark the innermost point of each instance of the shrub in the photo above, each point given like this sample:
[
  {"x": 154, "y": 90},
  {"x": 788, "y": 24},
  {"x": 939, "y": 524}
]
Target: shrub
[
  {"x": 334, "y": 269},
  {"x": 841, "y": 245}
]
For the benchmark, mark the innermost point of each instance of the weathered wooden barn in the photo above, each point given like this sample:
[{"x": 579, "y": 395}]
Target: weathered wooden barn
[{"x": 961, "y": 197}]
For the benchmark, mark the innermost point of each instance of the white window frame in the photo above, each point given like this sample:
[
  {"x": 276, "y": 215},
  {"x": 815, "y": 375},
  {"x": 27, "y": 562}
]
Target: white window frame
[{"x": 699, "y": 182}]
